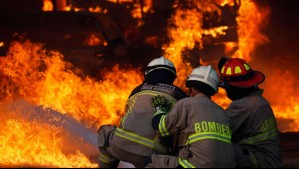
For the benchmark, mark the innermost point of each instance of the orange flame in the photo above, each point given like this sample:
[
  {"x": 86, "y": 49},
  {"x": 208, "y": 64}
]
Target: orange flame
[
  {"x": 43, "y": 78},
  {"x": 48, "y": 5},
  {"x": 283, "y": 97},
  {"x": 30, "y": 144},
  {"x": 147, "y": 6},
  {"x": 187, "y": 31},
  {"x": 250, "y": 21},
  {"x": 185, "y": 34},
  {"x": 97, "y": 10},
  {"x": 95, "y": 40}
]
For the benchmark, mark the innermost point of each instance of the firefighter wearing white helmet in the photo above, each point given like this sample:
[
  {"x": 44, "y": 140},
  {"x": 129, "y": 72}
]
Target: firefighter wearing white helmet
[
  {"x": 135, "y": 139},
  {"x": 160, "y": 63},
  {"x": 203, "y": 130},
  {"x": 204, "y": 77},
  {"x": 160, "y": 70}
]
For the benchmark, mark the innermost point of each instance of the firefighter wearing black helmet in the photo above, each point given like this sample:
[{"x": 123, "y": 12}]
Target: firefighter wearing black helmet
[
  {"x": 204, "y": 135},
  {"x": 135, "y": 139},
  {"x": 254, "y": 129}
]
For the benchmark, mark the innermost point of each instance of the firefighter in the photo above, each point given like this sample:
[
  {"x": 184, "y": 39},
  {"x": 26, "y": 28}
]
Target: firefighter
[
  {"x": 204, "y": 135},
  {"x": 254, "y": 129},
  {"x": 134, "y": 140}
]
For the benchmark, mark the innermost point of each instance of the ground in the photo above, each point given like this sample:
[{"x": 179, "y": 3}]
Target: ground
[{"x": 290, "y": 150}]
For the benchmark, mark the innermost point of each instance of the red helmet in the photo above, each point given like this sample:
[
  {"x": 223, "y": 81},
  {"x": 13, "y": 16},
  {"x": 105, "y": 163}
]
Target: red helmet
[{"x": 236, "y": 72}]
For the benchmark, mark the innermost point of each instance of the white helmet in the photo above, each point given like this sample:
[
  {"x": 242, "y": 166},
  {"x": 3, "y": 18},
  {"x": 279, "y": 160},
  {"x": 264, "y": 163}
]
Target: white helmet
[
  {"x": 204, "y": 74},
  {"x": 160, "y": 63}
]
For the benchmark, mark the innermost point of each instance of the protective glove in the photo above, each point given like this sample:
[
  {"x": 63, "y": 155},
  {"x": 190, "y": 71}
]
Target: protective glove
[{"x": 160, "y": 103}]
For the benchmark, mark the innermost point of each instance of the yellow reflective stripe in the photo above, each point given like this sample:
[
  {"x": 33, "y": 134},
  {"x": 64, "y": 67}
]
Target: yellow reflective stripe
[
  {"x": 222, "y": 70},
  {"x": 159, "y": 112},
  {"x": 185, "y": 163},
  {"x": 229, "y": 71},
  {"x": 162, "y": 126},
  {"x": 208, "y": 135},
  {"x": 247, "y": 67},
  {"x": 259, "y": 137},
  {"x": 238, "y": 70},
  {"x": 154, "y": 93},
  {"x": 104, "y": 158},
  {"x": 147, "y": 92},
  {"x": 140, "y": 140}
]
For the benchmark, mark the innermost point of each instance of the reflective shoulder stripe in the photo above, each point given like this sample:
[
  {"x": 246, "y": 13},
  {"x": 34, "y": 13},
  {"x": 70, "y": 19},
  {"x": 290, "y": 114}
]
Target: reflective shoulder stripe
[
  {"x": 208, "y": 135},
  {"x": 104, "y": 158},
  {"x": 140, "y": 140},
  {"x": 162, "y": 126},
  {"x": 185, "y": 163},
  {"x": 146, "y": 92},
  {"x": 259, "y": 137},
  {"x": 154, "y": 93}
]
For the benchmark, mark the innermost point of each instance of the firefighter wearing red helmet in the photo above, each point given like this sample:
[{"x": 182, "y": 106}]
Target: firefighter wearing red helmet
[
  {"x": 135, "y": 139},
  {"x": 201, "y": 126},
  {"x": 255, "y": 134}
]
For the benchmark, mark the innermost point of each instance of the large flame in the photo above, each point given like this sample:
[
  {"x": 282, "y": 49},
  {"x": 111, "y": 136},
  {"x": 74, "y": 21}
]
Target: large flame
[
  {"x": 43, "y": 78},
  {"x": 251, "y": 20},
  {"x": 186, "y": 32},
  {"x": 64, "y": 101},
  {"x": 283, "y": 95},
  {"x": 26, "y": 143},
  {"x": 184, "y": 35}
]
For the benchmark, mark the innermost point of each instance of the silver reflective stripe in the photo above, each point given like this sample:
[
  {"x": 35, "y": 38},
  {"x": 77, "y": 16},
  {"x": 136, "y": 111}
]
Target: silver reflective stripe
[
  {"x": 198, "y": 76},
  {"x": 203, "y": 77},
  {"x": 140, "y": 140},
  {"x": 259, "y": 137}
]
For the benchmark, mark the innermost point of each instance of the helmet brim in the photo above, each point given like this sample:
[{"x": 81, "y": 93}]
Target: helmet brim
[{"x": 256, "y": 79}]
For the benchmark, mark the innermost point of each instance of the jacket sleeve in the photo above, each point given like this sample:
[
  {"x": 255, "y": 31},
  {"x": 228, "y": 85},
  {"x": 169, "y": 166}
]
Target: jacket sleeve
[{"x": 174, "y": 120}]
